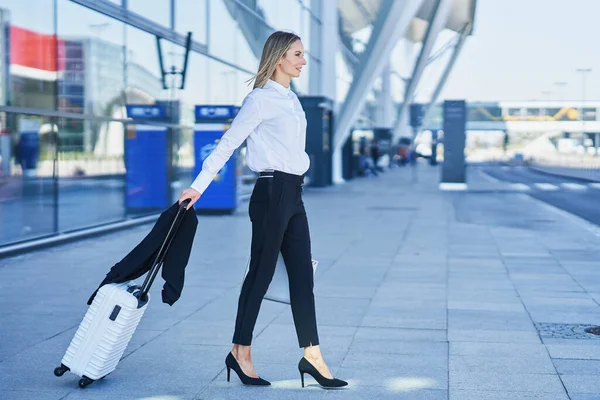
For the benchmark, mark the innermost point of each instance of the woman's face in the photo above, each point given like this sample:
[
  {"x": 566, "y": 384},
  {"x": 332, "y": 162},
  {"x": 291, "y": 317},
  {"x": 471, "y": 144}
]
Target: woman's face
[{"x": 293, "y": 60}]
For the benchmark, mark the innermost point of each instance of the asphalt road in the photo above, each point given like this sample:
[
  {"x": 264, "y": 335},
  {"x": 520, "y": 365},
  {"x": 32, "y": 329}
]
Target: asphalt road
[{"x": 578, "y": 197}]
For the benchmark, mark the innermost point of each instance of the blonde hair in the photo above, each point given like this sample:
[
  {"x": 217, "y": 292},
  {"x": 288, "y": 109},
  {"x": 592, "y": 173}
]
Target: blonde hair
[{"x": 275, "y": 48}]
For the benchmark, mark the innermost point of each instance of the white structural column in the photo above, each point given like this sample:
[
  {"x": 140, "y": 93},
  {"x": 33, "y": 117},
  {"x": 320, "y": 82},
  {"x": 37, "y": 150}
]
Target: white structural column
[
  {"x": 392, "y": 21},
  {"x": 446, "y": 73},
  {"x": 436, "y": 25},
  {"x": 384, "y": 111},
  {"x": 324, "y": 42}
]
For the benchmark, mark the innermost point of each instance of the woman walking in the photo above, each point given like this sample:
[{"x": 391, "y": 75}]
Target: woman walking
[{"x": 273, "y": 122}]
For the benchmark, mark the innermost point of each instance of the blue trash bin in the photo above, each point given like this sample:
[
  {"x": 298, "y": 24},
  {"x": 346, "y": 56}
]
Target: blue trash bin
[{"x": 211, "y": 123}]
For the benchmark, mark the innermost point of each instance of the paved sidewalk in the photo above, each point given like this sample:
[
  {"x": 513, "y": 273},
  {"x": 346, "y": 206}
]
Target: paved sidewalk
[{"x": 421, "y": 294}]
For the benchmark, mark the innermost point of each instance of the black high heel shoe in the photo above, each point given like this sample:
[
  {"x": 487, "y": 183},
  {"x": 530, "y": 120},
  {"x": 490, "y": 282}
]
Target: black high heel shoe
[
  {"x": 304, "y": 366},
  {"x": 232, "y": 364}
]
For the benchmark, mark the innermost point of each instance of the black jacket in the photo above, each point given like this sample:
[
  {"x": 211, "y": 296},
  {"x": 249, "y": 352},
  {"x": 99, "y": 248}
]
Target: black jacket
[{"x": 139, "y": 260}]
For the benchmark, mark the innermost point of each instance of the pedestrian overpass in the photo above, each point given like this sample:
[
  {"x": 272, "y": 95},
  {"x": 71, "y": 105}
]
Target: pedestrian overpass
[{"x": 526, "y": 117}]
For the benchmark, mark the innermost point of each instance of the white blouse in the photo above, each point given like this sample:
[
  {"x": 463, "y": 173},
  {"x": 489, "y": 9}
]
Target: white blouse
[{"x": 273, "y": 122}]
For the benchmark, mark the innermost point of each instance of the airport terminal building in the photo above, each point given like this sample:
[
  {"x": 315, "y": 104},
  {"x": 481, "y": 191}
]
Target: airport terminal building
[{"x": 107, "y": 107}]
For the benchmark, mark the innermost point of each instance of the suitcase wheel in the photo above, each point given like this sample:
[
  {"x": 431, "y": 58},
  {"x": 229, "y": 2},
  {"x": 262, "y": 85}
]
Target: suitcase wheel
[
  {"x": 60, "y": 371},
  {"x": 84, "y": 382}
]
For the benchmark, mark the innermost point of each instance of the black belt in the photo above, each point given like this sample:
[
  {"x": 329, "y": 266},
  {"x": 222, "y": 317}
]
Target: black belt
[{"x": 295, "y": 179}]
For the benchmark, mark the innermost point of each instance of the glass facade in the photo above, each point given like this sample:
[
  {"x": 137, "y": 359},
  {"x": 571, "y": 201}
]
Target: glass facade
[
  {"x": 68, "y": 73},
  {"x": 71, "y": 72}
]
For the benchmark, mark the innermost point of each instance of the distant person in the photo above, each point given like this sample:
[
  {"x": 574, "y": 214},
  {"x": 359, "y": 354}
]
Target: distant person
[
  {"x": 375, "y": 153},
  {"x": 273, "y": 122},
  {"x": 366, "y": 164}
]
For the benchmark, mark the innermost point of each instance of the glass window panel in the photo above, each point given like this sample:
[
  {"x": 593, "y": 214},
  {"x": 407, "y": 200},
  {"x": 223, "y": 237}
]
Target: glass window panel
[
  {"x": 226, "y": 85},
  {"x": 190, "y": 16},
  {"x": 554, "y": 113},
  {"x": 28, "y": 63},
  {"x": 589, "y": 114},
  {"x": 301, "y": 84},
  {"x": 344, "y": 78},
  {"x": 513, "y": 114},
  {"x": 228, "y": 42},
  {"x": 91, "y": 61},
  {"x": 159, "y": 10},
  {"x": 91, "y": 173},
  {"x": 305, "y": 33},
  {"x": 143, "y": 76},
  {"x": 533, "y": 112},
  {"x": 27, "y": 178},
  {"x": 283, "y": 15},
  {"x": 485, "y": 113}
]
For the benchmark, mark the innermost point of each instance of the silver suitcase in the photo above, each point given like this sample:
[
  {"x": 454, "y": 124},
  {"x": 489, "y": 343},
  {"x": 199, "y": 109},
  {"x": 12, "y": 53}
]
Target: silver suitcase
[{"x": 111, "y": 320}]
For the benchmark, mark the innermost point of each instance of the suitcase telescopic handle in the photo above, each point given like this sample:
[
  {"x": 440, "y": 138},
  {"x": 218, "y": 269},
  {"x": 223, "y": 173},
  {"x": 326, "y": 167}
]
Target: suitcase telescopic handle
[{"x": 160, "y": 255}]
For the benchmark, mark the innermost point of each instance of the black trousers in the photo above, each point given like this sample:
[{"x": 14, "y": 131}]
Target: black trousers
[{"x": 279, "y": 223}]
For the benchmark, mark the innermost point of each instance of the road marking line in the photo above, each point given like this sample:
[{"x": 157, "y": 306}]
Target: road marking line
[
  {"x": 546, "y": 186},
  {"x": 520, "y": 186},
  {"x": 573, "y": 186}
]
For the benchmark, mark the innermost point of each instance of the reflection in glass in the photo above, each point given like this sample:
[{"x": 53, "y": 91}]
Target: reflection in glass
[
  {"x": 484, "y": 113},
  {"x": 27, "y": 182},
  {"x": 157, "y": 10},
  {"x": 91, "y": 61},
  {"x": 226, "y": 39},
  {"x": 28, "y": 65},
  {"x": 90, "y": 179},
  {"x": 143, "y": 76},
  {"x": 190, "y": 16}
]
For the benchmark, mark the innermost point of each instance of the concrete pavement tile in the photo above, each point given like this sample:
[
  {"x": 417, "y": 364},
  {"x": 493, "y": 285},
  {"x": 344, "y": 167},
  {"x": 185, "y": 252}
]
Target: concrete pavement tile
[
  {"x": 408, "y": 377},
  {"x": 483, "y": 306},
  {"x": 584, "y": 396},
  {"x": 346, "y": 312},
  {"x": 497, "y": 349},
  {"x": 399, "y": 347},
  {"x": 404, "y": 322},
  {"x": 476, "y": 284},
  {"x": 89, "y": 394},
  {"x": 283, "y": 389},
  {"x": 160, "y": 376},
  {"x": 590, "y": 340},
  {"x": 433, "y": 335},
  {"x": 566, "y": 317},
  {"x": 30, "y": 395},
  {"x": 493, "y": 381},
  {"x": 496, "y": 296},
  {"x": 397, "y": 362},
  {"x": 461, "y": 394},
  {"x": 407, "y": 314},
  {"x": 587, "y": 301},
  {"x": 486, "y": 264},
  {"x": 577, "y": 367},
  {"x": 468, "y": 335},
  {"x": 333, "y": 289},
  {"x": 489, "y": 320},
  {"x": 575, "y": 351},
  {"x": 401, "y": 390},
  {"x": 531, "y": 364},
  {"x": 582, "y": 383},
  {"x": 215, "y": 333}
]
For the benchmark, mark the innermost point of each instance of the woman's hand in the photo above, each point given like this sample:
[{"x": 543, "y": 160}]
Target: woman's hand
[{"x": 189, "y": 193}]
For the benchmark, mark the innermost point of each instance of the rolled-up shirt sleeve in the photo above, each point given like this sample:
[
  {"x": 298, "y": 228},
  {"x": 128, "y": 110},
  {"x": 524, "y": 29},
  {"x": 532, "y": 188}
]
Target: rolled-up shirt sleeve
[{"x": 247, "y": 119}]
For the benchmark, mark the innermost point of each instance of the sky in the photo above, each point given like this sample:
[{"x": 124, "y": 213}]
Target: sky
[{"x": 520, "y": 48}]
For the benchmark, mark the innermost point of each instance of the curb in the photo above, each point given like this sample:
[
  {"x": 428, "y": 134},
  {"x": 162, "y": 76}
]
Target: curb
[{"x": 63, "y": 238}]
